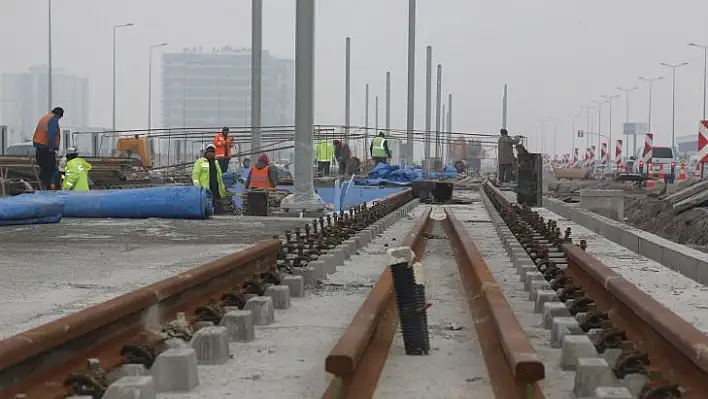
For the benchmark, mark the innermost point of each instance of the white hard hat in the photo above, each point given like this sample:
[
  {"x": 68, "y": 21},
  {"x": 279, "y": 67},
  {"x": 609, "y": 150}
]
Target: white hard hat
[
  {"x": 71, "y": 150},
  {"x": 210, "y": 147}
]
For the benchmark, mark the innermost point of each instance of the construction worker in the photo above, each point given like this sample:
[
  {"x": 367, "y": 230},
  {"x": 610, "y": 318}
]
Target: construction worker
[
  {"x": 46, "y": 140},
  {"x": 76, "y": 172},
  {"x": 223, "y": 145},
  {"x": 379, "y": 149},
  {"x": 324, "y": 152},
  {"x": 505, "y": 155},
  {"x": 342, "y": 153},
  {"x": 262, "y": 175},
  {"x": 206, "y": 172}
]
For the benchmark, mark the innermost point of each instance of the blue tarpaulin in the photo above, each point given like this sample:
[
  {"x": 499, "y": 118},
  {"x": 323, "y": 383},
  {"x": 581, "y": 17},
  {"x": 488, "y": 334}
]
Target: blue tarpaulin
[
  {"x": 384, "y": 174},
  {"x": 172, "y": 202},
  {"x": 30, "y": 209}
]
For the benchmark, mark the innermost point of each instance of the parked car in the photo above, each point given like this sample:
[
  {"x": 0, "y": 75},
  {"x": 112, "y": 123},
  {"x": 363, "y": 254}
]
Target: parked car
[{"x": 663, "y": 159}]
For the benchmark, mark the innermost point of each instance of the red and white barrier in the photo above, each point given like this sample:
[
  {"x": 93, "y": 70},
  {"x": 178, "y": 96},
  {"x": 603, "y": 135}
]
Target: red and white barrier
[
  {"x": 575, "y": 157},
  {"x": 618, "y": 156},
  {"x": 702, "y": 142},
  {"x": 647, "y": 155},
  {"x": 603, "y": 154}
]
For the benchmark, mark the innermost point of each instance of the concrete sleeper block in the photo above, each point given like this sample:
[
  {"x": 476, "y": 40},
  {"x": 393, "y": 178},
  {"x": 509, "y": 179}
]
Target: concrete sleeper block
[
  {"x": 552, "y": 310},
  {"x": 542, "y": 297},
  {"x": 138, "y": 387},
  {"x": 592, "y": 372},
  {"x": 280, "y": 294},
  {"x": 575, "y": 347},
  {"x": 526, "y": 269},
  {"x": 613, "y": 393},
  {"x": 296, "y": 285},
  {"x": 128, "y": 370},
  {"x": 532, "y": 276},
  {"x": 239, "y": 325},
  {"x": 211, "y": 345},
  {"x": 328, "y": 263},
  {"x": 262, "y": 309},
  {"x": 318, "y": 269},
  {"x": 308, "y": 274},
  {"x": 538, "y": 285},
  {"x": 175, "y": 370}
]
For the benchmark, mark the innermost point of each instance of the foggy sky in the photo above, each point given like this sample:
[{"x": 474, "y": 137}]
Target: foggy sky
[{"x": 556, "y": 55}]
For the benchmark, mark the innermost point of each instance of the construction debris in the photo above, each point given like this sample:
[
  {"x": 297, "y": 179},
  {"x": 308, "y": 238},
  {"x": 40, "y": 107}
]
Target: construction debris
[{"x": 690, "y": 197}]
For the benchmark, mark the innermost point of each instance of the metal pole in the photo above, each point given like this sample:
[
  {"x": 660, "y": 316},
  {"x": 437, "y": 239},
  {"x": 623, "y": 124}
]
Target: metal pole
[
  {"x": 428, "y": 102},
  {"x": 376, "y": 113},
  {"x": 449, "y": 127},
  {"x": 387, "y": 116},
  {"x": 49, "y": 67},
  {"x": 150, "y": 92},
  {"x": 304, "y": 197},
  {"x": 504, "y": 107},
  {"x": 347, "y": 88},
  {"x": 256, "y": 73},
  {"x": 411, "y": 81},
  {"x": 113, "y": 123},
  {"x": 438, "y": 101},
  {"x": 673, "y": 108},
  {"x": 443, "y": 152},
  {"x": 705, "y": 71},
  {"x": 366, "y": 124}
]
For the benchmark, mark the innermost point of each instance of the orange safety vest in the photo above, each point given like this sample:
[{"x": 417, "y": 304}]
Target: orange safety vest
[
  {"x": 41, "y": 133},
  {"x": 259, "y": 178},
  {"x": 223, "y": 146}
]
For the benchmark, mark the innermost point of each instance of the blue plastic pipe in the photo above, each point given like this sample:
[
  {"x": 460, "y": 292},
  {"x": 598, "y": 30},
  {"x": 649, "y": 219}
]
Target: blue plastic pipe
[{"x": 30, "y": 209}]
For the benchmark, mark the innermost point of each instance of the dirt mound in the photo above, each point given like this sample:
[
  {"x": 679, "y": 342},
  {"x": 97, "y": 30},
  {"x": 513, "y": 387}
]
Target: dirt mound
[{"x": 656, "y": 216}]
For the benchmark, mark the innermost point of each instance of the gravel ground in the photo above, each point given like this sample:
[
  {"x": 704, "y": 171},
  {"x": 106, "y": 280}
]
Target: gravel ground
[
  {"x": 678, "y": 293},
  {"x": 286, "y": 360},
  {"x": 455, "y": 367},
  {"x": 558, "y": 384}
]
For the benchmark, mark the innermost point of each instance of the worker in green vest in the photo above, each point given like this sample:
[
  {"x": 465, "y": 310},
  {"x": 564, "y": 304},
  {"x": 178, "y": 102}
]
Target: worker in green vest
[
  {"x": 379, "y": 149},
  {"x": 324, "y": 152},
  {"x": 75, "y": 172}
]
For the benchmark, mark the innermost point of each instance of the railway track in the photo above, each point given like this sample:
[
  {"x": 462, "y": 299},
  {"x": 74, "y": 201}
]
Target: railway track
[
  {"x": 358, "y": 359},
  {"x": 83, "y": 353},
  {"x": 649, "y": 349}
]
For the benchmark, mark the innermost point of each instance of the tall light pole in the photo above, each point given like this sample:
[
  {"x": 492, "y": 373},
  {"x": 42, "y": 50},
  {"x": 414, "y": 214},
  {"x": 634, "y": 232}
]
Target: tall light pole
[
  {"x": 626, "y": 92},
  {"x": 410, "y": 117},
  {"x": 347, "y": 87},
  {"x": 705, "y": 71},
  {"x": 673, "y": 68},
  {"x": 49, "y": 66},
  {"x": 150, "y": 85},
  {"x": 113, "y": 123},
  {"x": 599, "y": 127},
  {"x": 651, "y": 85},
  {"x": 609, "y": 138}
]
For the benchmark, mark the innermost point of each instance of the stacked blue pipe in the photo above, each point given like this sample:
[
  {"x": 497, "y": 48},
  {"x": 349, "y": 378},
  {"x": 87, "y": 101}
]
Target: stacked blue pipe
[
  {"x": 30, "y": 209},
  {"x": 172, "y": 202}
]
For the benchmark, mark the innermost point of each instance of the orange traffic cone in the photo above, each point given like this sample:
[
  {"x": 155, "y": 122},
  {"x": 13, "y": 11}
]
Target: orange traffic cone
[
  {"x": 650, "y": 175},
  {"x": 682, "y": 171}
]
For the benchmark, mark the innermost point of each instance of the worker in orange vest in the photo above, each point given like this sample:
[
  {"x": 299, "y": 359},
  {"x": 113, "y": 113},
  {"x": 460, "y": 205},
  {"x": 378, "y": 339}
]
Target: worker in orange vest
[
  {"x": 46, "y": 140},
  {"x": 263, "y": 175},
  {"x": 223, "y": 145}
]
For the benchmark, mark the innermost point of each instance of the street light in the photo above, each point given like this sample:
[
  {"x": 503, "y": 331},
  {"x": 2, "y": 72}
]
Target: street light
[
  {"x": 49, "y": 66},
  {"x": 150, "y": 85},
  {"x": 599, "y": 127},
  {"x": 609, "y": 140},
  {"x": 705, "y": 66},
  {"x": 626, "y": 92},
  {"x": 114, "y": 70},
  {"x": 673, "y": 99},
  {"x": 651, "y": 84}
]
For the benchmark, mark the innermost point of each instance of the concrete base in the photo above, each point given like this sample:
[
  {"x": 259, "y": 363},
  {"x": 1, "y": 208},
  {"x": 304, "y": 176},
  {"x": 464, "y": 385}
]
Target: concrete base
[
  {"x": 211, "y": 345},
  {"x": 561, "y": 327},
  {"x": 280, "y": 294},
  {"x": 591, "y": 373},
  {"x": 613, "y": 393},
  {"x": 543, "y": 297},
  {"x": 329, "y": 263},
  {"x": 308, "y": 275},
  {"x": 538, "y": 285},
  {"x": 175, "y": 370},
  {"x": 530, "y": 277},
  {"x": 303, "y": 202},
  {"x": 552, "y": 310},
  {"x": 202, "y": 324},
  {"x": 262, "y": 309},
  {"x": 127, "y": 370},
  {"x": 319, "y": 268},
  {"x": 239, "y": 325},
  {"x": 296, "y": 285},
  {"x": 523, "y": 270},
  {"x": 575, "y": 347},
  {"x": 635, "y": 383},
  {"x": 132, "y": 388}
]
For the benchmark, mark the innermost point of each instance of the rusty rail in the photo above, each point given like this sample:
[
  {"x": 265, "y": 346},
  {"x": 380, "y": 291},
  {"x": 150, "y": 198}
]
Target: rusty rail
[
  {"x": 514, "y": 374},
  {"x": 37, "y": 362},
  {"x": 654, "y": 341},
  {"x": 358, "y": 358}
]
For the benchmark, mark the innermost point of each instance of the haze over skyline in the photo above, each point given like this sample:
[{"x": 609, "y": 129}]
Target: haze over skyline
[{"x": 555, "y": 58}]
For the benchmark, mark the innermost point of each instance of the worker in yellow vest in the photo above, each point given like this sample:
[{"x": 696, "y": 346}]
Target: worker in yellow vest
[
  {"x": 379, "y": 149},
  {"x": 324, "y": 152}
]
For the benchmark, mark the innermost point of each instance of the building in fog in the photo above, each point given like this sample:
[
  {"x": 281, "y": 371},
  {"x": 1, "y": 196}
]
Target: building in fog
[
  {"x": 25, "y": 96},
  {"x": 211, "y": 89},
  {"x": 687, "y": 145}
]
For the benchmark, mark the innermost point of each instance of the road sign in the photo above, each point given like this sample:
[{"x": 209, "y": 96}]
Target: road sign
[{"x": 633, "y": 128}]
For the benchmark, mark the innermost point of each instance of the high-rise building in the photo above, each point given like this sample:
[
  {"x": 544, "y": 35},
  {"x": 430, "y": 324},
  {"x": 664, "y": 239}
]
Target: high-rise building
[
  {"x": 25, "y": 97},
  {"x": 213, "y": 89}
]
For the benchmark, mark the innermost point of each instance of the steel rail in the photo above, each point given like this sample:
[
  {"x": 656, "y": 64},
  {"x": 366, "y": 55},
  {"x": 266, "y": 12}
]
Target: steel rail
[
  {"x": 356, "y": 361},
  {"x": 512, "y": 363},
  {"x": 654, "y": 341}
]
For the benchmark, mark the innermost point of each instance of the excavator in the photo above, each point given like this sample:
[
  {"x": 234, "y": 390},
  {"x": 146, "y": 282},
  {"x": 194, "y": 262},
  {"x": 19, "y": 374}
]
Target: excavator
[{"x": 138, "y": 147}]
